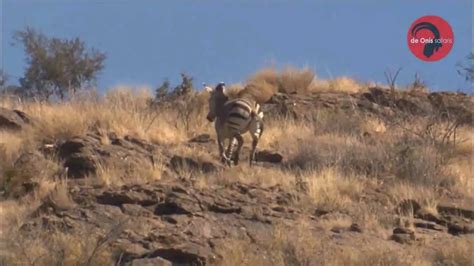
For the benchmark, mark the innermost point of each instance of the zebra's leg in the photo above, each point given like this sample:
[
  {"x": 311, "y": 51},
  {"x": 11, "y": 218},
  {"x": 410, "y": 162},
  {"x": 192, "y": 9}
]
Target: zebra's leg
[
  {"x": 240, "y": 143},
  {"x": 255, "y": 138},
  {"x": 254, "y": 148},
  {"x": 220, "y": 142},
  {"x": 229, "y": 152}
]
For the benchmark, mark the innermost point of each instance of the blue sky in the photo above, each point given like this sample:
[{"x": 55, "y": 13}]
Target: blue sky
[{"x": 214, "y": 40}]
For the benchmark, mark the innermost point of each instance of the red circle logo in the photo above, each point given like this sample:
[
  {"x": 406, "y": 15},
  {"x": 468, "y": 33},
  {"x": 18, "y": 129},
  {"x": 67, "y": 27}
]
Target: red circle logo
[{"x": 430, "y": 38}]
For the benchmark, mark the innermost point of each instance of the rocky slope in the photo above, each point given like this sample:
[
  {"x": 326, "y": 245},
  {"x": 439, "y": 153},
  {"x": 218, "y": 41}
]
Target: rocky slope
[{"x": 178, "y": 221}]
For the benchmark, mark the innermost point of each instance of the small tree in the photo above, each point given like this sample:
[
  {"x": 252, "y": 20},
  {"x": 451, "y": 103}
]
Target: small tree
[
  {"x": 57, "y": 66},
  {"x": 186, "y": 86},
  {"x": 162, "y": 91},
  {"x": 3, "y": 79},
  {"x": 467, "y": 71}
]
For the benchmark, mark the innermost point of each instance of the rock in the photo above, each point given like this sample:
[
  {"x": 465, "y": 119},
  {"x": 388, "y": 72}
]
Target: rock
[
  {"x": 78, "y": 157},
  {"x": 428, "y": 225},
  {"x": 401, "y": 230},
  {"x": 268, "y": 156},
  {"x": 377, "y": 100},
  {"x": 13, "y": 119},
  {"x": 178, "y": 204},
  {"x": 28, "y": 166},
  {"x": 178, "y": 257},
  {"x": 81, "y": 165},
  {"x": 355, "y": 228},
  {"x": 128, "y": 196},
  {"x": 220, "y": 208},
  {"x": 203, "y": 138},
  {"x": 178, "y": 163},
  {"x": 135, "y": 210},
  {"x": 85, "y": 155},
  {"x": 403, "y": 235},
  {"x": 157, "y": 261},
  {"x": 428, "y": 216},
  {"x": 403, "y": 238},
  {"x": 460, "y": 208},
  {"x": 460, "y": 228},
  {"x": 170, "y": 208},
  {"x": 321, "y": 212},
  {"x": 130, "y": 250}
]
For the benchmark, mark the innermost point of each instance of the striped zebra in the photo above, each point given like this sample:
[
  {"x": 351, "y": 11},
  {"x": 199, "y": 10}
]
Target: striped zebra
[{"x": 232, "y": 119}]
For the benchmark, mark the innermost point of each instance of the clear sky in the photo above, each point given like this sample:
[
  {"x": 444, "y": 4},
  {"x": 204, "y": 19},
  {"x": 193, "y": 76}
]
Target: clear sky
[{"x": 216, "y": 40}]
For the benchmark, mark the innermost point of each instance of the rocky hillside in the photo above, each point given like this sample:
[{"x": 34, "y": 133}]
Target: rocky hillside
[{"x": 367, "y": 178}]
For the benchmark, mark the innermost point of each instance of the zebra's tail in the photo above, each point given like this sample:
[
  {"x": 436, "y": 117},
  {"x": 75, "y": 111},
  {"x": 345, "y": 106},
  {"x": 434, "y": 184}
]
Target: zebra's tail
[{"x": 256, "y": 112}]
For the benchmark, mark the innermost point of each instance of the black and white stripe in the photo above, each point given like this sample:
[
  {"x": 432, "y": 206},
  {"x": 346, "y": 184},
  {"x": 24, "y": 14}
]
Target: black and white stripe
[{"x": 232, "y": 119}]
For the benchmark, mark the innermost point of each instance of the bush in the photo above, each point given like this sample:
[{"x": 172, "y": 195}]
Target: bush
[
  {"x": 57, "y": 67},
  {"x": 293, "y": 80},
  {"x": 289, "y": 80},
  {"x": 345, "y": 153},
  {"x": 420, "y": 163}
]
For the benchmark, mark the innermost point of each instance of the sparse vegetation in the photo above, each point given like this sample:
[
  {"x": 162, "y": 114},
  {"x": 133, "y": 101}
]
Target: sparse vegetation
[
  {"x": 340, "y": 168},
  {"x": 467, "y": 71}
]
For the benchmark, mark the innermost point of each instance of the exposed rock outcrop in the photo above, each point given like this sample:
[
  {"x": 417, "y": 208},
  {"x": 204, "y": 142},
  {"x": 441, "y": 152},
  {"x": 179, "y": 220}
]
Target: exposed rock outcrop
[{"x": 13, "y": 119}]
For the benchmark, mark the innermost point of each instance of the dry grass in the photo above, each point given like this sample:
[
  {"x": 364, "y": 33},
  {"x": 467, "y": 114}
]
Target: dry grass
[
  {"x": 456, "y": 253},
  {"x": 331, "y": 190},
  {"x": 341, "y": 84},
  {"x": 10, "y": 145},
  {"x": 361, "y": 145},
  {"x": 347, "y": 153},
  {"x": 374, "y": 255},
  {"x": 460, "y": 169},
  {"x": 276, "y": 132},
  {"x": 123, "y": 111},
  {"x": 295, "y": 245},
  {"x": 268, "y": 75},
  {"x": 286, "y": 245},
  {"x": 336, "y": 161},
  {"x": 261, "y": 91},
  {"x": 303, "y": 81},
  {"x": 335, "y": 222},
  {"x": 293, "y": 80},
  {"x": 138, "y": 172},
  {"x": 264, "y": 177},
  {"x": 427, "y": 197},
  {"x": 233, "y": 90},
  {"x": 288, "y": 80},
  {"x": 41, "y": 247}
]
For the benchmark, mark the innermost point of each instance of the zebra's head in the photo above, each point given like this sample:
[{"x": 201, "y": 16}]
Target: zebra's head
[{"x": 216, "y": 101}]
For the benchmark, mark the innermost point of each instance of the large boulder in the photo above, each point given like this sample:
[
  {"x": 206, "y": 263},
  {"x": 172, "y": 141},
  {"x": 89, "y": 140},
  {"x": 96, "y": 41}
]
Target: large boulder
[
  {"x": 26, "y": 171},
  {"x": 268, "y": 156},
  {"x": 85, "y": 155},
  {"x": 13, "y": 119}
]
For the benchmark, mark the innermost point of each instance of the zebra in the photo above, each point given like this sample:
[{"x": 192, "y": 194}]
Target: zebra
[{"x": 232, "y": 119}]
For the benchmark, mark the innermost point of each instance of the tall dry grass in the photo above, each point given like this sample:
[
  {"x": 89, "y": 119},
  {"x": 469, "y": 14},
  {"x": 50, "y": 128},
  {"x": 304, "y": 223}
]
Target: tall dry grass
[
  {"x": 288, "y": 80},
  {"x": 302, "y": 81},
  {"x": 340, "y": 84},
  {"x": 124, "y": 111}
]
